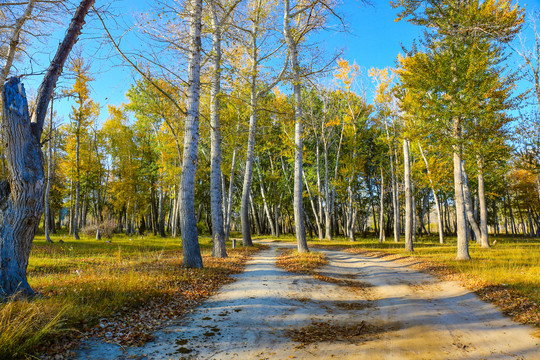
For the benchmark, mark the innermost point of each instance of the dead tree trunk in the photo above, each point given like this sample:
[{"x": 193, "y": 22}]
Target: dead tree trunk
[
  {"x": 21, "y": 203},
  {"x": 21, "y": 196}
]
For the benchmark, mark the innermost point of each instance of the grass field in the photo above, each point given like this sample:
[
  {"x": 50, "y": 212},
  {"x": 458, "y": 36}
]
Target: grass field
[{"x": 88, "y": 286}]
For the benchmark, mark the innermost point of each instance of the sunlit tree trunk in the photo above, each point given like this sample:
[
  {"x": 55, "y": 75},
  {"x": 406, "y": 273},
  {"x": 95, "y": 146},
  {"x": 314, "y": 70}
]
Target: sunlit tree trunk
[
  {"x": 77, "y": 180},
  {"x": 462, "y": 243},
  {"x": 381, "y": 213},
  {"x": 313, "y": 208},
  {"x": 218, "y": 234},
  {"x": 327, "y": 196},
  {"x": 188, "y": 222},
  {"x": 265, "y": 203},
  {"x": 437, "y": 205},
  {"x": 248, "y": 174},
  {"x": 468, "y": 205},
  {"x": 408, "y": 198},
  {"x": 298, "y": 130},
  {"x": 230, "y": 197},
  {"x": 484, "y": 241},
  {"x": 319, "y": 189},
  {"x": 47, "y": 217}
]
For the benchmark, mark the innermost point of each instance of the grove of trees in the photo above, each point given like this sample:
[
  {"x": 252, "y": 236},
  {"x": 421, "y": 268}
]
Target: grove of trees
[{"x": 238, "y": 121}]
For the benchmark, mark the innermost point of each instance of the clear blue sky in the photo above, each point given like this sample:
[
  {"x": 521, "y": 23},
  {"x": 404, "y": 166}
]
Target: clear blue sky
[{"x": 375, "y": 39}]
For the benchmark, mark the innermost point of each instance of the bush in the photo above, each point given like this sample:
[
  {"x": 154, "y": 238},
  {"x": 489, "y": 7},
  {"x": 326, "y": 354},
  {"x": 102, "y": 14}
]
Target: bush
[{"x": 107, "y": 228}]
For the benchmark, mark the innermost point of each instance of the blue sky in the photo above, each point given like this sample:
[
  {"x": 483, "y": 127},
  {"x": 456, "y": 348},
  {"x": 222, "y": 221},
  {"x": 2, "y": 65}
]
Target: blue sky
[{"x": 374, "y": 40}]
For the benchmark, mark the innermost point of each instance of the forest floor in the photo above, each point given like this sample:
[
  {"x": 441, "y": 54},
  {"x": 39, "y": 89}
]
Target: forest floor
[{"x": 357, "y": 306}]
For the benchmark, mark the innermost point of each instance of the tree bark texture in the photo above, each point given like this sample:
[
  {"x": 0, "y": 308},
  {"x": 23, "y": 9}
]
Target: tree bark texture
[
  {"x": 468, "y": 205},
  {"x": 298, "y": 130},
  {"x": 439, "y": 217},
  {"x": 218, "y": 233},
  {"x": 188, "y": 222},
  {"x": 46, "y": 218},
  {"x": 381, "y": 209},
  {"x": 21, "y": 204},
  {"x": 484, "y": 240},
  {"x": 461, "y": 223},
  {"x": 409, "y": 213}
]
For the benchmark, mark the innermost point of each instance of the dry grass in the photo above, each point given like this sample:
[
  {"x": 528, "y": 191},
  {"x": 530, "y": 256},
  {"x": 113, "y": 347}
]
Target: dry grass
[
  {"x": 303, "y": 263},
  {"x": 120, "y": 291}
]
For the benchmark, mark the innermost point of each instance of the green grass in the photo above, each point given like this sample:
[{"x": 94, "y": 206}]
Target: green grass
[{"x": 83, "y": 281}]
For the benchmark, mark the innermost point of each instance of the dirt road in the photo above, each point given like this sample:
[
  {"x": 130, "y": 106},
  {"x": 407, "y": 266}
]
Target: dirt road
[{"x": 359, "y": 308}]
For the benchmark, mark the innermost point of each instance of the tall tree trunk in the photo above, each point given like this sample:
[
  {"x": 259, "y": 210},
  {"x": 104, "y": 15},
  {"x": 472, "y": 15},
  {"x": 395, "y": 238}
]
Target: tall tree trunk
[
  {"x": 381, "y": 213},
  {"x": 408, "y": 198},
  {"x": 161, "y": 213},
  {"x": 265, "y": 204},
  {"x": 298, "y": 130},
  {"x": 319, "y": 189},
  {"x": 461, "y": 222},
  {"x": 230, "y": 196},
  {"x": 174, "y": 214},
  {"x": 462, "y": 243},
  {"x": 218, "y": 233},
  {"x": 381, "y": 210},
  {"x": 46, "y": 218},
  {"x": 328, "y": 202},
  {"x": 531, "y": 226},
  {"x": 250, "y": 154},
  {"x": 439, "y": 217},
  {"x": 468, "y": 204},
  {"x": 188, "y": 223},
  {"x": 256, "y": 221},
  {"x": 77, "y": 182},
  {"x": 484, "y": 240},
  {"x": 21, "y": 204},
  {"x": 313, "y": 208}
]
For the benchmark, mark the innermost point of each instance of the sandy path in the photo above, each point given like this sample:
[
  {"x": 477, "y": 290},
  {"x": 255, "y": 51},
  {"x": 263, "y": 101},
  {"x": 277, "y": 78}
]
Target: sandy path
[{"x": 411, "y": 315}]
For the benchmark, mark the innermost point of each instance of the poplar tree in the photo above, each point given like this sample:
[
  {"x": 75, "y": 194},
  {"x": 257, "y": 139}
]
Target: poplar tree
[{"x": 464, "y": 44}]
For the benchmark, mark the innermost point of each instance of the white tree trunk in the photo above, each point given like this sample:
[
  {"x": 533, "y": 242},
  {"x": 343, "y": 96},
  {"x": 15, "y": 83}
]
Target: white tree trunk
[
  {"x": 77, "y": 181},
  {"x": 298, "y": 130},
  {"x": 46, "y": 217},
  {"x": 468, "y": 205},
  {"x": 462, "y": 243},
  {"x": 381, "y": 215},
  {"x": 218, "y": 234},
  {"x": 439, "y": 217},
  {"x": 484, "y": 241},
  {"x": 248, "y": 172},
  {"x": 229, "y": 199},
  {"x": 408, "y": 198},
  {"x": 188, "y": 222}
]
